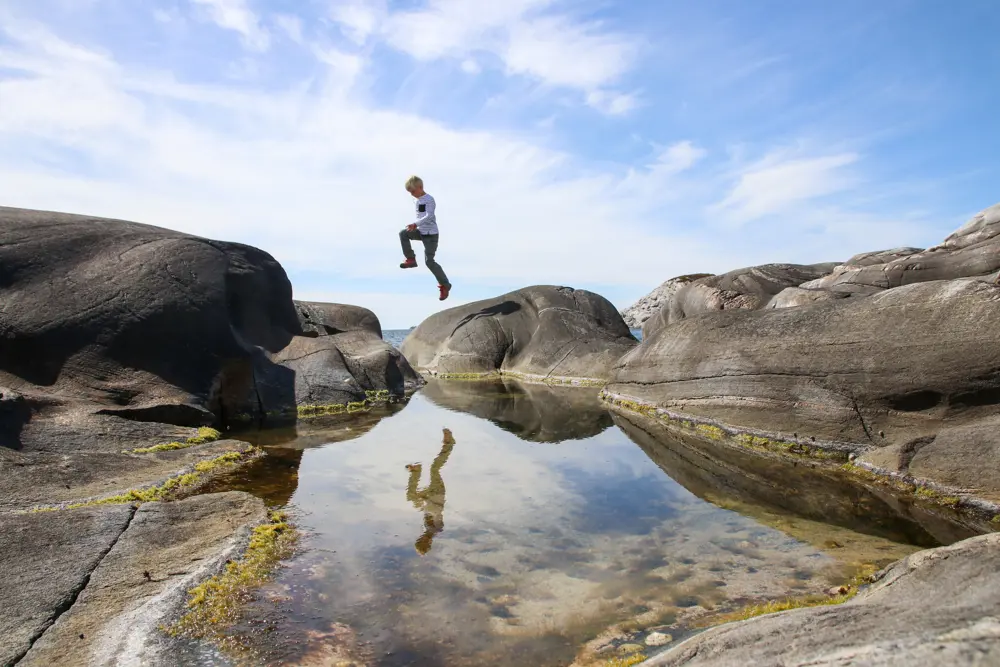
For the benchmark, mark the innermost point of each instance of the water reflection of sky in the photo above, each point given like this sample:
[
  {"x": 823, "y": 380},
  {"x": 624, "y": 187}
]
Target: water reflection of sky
[{"x": 539, "y": 546}]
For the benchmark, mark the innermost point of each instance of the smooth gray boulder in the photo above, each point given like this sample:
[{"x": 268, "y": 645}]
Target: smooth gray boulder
[
  {"x": 640, "y": 311},
  {"x": 539, "y": 333},
  {"x": 973, "y": 250},
  {"x": 878, "y": 371},
  {"x": 935, "y": 607},
  {"x": 340, "y": 358},
  {"x": 792, "y": 297},
  {"x": 965, "y": 456},
  {"x": 895, "y": 355},
  {"x": 140, "y": 321},
  {"x": 327, "y": 319},
  {"x": 109, "y": 322},
  {"x": 749, "y": 288}
]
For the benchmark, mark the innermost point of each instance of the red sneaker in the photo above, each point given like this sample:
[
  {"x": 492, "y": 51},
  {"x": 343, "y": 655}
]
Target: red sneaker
[
  {"x": 445, "y": 289},
  {"x": 408, "y": 264}
]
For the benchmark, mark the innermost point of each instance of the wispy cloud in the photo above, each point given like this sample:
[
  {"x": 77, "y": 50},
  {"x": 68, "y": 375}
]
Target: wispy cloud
[
  {"x": 237, "y": 16},
  {"x": 291, "y": 26},
  {"x": 777, "y": 183},
  {"x": 530, "y": 38},
  {"x": 359, "y": 18},
  {"x": 305, "y": 154}
]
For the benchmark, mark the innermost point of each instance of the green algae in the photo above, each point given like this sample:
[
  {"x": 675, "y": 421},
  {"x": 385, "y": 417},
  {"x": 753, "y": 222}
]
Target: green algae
[
  {"x": 306, "y": 411},
  {"x": 849, "y": 590},
  {"x": 216, "y": 604},
  {"x": 905, "y": 486},
  {"x": 746, "y": 440},
  {"x": 205, "y": 434},
  {"x": 174, "y": 485},
  {"x": 626, "y": 661},
  {"x": 524, "y": 377}
]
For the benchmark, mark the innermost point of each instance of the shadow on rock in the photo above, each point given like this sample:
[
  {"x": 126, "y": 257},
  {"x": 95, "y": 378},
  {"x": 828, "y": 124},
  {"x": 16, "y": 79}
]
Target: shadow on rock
[
  {"x": 533, "y": 412},
  {"x": 756, "y": 486}
]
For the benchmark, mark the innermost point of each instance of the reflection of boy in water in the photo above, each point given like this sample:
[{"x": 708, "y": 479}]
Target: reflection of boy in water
[{"x": 430, "y": 499}]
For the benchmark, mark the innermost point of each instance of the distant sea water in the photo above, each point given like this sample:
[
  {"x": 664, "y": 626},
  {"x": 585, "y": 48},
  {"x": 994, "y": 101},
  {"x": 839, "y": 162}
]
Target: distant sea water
[{"x": 395, "y": 337}]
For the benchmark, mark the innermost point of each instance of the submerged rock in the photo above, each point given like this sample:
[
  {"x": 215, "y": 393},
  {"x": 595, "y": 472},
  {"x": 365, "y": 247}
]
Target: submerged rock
[
  {"x": 541, "y": 333},
  {"x": 658, "y": 639},
  {"x": 935, "y": 607}
]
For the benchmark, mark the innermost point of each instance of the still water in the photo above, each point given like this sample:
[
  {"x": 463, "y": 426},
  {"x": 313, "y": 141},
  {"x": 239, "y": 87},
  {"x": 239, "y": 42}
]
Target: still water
[{"x": 493, "y": 523}]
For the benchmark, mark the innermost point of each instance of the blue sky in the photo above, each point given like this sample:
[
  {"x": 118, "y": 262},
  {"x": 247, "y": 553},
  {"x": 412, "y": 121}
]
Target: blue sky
[{"x": 598, "y": 144}]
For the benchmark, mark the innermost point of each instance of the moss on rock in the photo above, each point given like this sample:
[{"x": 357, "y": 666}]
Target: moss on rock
[
  {"x": 864, "y": 575},
  {"x": 173, "y": 486},
  {"x": 216, "y": 605},
  {"x": 205, "y": 434}
]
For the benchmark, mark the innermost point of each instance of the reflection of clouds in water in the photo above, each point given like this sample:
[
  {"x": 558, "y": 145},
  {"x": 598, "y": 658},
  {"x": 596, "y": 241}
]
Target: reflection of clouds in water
[
  {"x": 615, "y": 500},
  {"x": 543, "y": 544},
  {"x": 491, "y": 475}
]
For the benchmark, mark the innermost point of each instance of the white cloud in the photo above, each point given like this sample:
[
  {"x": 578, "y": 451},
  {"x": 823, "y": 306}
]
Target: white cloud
[
  {"x": 235, "y": 15},
  {"x": 313, "y": 177},
  {"x": 470, "y": 66},
  {"x": 566, "y": 53},
  {"x": 680, "y": 156},
  {"x": 358, "y": 18},
  {"x": 613, "y": 104},
  {"x": 291, "y": 26},
  {"x": 527, "y": 36},
  {"x": 778, "y": 183},
  {"x": 313, "y": 174}
]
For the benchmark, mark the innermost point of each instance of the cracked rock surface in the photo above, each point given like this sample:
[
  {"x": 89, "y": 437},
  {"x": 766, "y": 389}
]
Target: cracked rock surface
[{"x": 90, "y": 586}]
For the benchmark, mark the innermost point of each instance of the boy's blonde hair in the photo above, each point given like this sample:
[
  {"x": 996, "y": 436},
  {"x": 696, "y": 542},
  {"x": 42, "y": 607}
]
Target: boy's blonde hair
[{"x": 414, "y": 182}]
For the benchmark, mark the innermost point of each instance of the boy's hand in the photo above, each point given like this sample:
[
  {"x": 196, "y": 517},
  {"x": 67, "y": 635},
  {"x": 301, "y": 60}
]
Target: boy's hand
[{"x": 411, "y": 228}]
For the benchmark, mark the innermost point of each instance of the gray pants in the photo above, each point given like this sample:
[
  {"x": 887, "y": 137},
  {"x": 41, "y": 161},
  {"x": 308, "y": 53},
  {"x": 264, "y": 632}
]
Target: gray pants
[{"x": 430, "y": 242}]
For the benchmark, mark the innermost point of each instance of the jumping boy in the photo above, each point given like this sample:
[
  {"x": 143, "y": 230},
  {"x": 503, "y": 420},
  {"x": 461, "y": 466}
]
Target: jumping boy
[{"x": 425, "y": 229}]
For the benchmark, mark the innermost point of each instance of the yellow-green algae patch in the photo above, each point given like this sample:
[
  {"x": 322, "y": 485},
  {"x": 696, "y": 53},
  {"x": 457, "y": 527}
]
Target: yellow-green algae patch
[
  {"x": 523, "y": 377},
  {"x": 722, "y": 433},
  {"x": 332, "y": 409},
  {"x": 373, "y": 397},
  {"x": 626, "y": 661},
  {"x": 847, "y": 591},
  {"x": 205, "y": 434},
  {"x": 216, "y": 605},
  {"x": 907, "y": 486},
  {"x": 173, "y": 485}
]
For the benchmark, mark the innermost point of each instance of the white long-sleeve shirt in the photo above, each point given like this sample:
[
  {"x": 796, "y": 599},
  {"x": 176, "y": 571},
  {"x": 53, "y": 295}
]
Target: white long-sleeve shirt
[{"x": 426, "y": 218}]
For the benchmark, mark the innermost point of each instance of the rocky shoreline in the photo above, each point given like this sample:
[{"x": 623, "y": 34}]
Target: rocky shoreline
[{"x": 132, "y": 356}]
